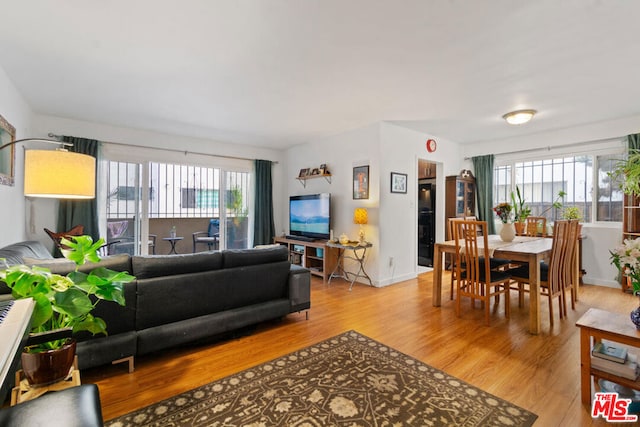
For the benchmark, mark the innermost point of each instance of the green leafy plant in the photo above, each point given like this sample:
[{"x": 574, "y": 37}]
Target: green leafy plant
[
  {"x": 572, "y": 212},
  {"x": 520, "y": 211},
  {"x": 557, "y": 203},
  {"x": 628, "y": 173},
  {"x": 64, "y": 301}
]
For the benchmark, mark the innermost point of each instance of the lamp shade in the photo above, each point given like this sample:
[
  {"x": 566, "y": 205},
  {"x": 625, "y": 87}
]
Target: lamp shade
[
  {"x": 59, "y": 174},
  {"x": 360, "y": 216}
]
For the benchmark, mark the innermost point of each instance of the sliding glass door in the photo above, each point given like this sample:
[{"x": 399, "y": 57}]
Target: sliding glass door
[{"x": 155, "y": 202}]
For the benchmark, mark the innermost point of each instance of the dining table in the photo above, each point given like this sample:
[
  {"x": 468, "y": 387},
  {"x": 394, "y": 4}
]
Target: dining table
[{"x": 531, "y": 250}]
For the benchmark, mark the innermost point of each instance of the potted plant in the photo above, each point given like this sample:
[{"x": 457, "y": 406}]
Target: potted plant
[
  {"x": 508, "y": 231},
  {"x": 64, "y": 302},
  {"x": 520, "y": 211},
  {"x": 628, "y": 172},
  {"x": 572, "y": 212}
]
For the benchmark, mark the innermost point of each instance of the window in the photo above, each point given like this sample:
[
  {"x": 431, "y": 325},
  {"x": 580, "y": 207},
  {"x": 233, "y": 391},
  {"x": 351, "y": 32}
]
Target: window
[{"x": 582, "y": 178}]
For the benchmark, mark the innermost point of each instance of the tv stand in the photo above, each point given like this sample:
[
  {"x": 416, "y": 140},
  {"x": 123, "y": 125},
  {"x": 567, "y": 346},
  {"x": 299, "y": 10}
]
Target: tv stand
[
  {"x": 300, "y": 238},
  {"x": 315, "y": 255}
]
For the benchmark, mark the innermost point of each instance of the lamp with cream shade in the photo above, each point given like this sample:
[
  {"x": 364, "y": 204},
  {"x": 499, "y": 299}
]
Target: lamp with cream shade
[
  {"x": 360, "y": 217},
  {"x": 57, "y": 173}
]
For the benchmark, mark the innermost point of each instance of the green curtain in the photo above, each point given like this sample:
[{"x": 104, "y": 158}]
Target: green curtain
[
  {"x": 634, "y": 141},
  {"x": 263, "y": 225},
  {"x": 483, "y": 169},
  {"x": 76, "y": 212}
]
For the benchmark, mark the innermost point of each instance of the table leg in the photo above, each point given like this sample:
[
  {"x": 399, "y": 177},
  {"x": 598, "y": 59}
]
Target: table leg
[
  {"x": 338, "y": 267},
  {"x": 436, "y": 298},
  {"x": 585, "y": 367},
  {"x": 360, "y": 260},
  {"x": 534, "y": 295}
]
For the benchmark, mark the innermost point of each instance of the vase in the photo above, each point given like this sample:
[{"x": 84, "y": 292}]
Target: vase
[
  {"x": 507, "y": 232},
  {"x": 635, "y": 317},
  {"x": 48, "y": 367}
]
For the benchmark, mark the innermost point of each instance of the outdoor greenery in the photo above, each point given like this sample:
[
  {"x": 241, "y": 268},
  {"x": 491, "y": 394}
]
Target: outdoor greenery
[
  {"x": 628, "y": 173},
  {"x": 520, "y": 211}
]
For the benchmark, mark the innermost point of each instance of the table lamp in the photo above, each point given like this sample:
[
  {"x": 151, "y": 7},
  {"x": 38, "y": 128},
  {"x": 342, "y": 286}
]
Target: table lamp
[{"x": 360, "y": 217}]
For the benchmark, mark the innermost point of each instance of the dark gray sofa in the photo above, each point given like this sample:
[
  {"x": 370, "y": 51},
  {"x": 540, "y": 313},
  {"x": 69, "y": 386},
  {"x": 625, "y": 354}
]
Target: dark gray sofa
[{"x": 179, "y": 299}]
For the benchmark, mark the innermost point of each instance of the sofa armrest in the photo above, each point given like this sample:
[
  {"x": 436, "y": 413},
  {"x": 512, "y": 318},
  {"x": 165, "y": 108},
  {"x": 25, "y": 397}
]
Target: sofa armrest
[{"x": 299, "y": 288}]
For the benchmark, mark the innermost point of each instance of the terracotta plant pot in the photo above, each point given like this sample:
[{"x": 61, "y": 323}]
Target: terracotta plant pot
[
  {"x": 519, "y": 228},
  {"x": 50, "y": 366}
]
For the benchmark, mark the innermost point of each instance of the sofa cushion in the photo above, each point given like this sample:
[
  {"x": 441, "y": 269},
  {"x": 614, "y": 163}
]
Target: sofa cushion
[
  {"x": 121, "y": 262},
  {"x": 245, "y": 257},
  {"x": 15, "y": 253},
  {"x": 147, "y": 266}
]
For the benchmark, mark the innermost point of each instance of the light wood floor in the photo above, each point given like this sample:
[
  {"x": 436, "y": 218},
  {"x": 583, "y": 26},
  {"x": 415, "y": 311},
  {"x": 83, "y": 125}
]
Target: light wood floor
[{"x": 539, "y": 373}]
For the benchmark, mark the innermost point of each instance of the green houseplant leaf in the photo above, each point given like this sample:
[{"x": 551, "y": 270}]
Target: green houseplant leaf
[{"x": 66, "y": 301}]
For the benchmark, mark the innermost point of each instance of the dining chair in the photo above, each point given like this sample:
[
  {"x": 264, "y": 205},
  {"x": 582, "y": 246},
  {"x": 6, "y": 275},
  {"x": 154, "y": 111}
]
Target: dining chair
[
  {"x": 556, "y": 275},
  {"x": 535, "y": 226},
  {"x": 476, "y": 280}
]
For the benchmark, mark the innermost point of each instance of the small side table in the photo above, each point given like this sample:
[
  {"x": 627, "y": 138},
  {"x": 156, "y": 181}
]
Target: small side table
[
  {"x": 596, "y": 325},
  {"x": 173, "y": 241},
  {"x": 359, "y": 252}
]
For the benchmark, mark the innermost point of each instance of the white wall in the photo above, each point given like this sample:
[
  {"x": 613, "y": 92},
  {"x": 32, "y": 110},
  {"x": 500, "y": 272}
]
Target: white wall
[
  {"x": 401, "y": 148},
  {"x": 392, "y": 227},
  {"x": 340, "y": 153},
  {"x": 15, "y": 110},
  {"x": 599, "y": 237}
]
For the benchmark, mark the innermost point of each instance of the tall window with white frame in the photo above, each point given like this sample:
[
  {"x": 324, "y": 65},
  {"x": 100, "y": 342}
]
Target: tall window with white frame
[{"x": 583, "y": 180}]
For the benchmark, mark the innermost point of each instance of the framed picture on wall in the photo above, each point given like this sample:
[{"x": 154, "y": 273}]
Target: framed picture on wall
[
  {"x": 361, "y": 182},
  {"x": 398, "y": 182},
  {"x": 7, "y": 155}
]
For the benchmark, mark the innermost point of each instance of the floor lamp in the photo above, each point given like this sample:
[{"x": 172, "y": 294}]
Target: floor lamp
[{"x": 58, "y": 173}]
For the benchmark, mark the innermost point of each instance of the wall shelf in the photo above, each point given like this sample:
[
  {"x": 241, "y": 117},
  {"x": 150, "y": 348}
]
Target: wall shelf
[{"x": 303, "y": 179}]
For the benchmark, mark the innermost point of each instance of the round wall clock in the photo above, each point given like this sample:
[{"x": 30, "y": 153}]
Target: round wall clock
[{"x": 431, "y": 145}]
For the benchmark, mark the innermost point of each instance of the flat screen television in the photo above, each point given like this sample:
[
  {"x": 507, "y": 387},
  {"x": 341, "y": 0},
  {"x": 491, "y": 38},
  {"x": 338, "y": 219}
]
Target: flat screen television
[{"x": 310, "y": 216}]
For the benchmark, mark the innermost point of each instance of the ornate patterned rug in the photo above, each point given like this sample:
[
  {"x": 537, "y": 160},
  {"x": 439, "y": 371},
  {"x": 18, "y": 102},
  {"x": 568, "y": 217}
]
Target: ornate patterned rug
[{"x": 347, "y": 380}]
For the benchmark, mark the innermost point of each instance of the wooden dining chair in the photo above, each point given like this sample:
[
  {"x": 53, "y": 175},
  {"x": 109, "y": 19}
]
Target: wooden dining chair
[
  {"x": 476, "y": 280},
  {"x": 556, "y": 275},
  {"x": 535, "y": 226}
]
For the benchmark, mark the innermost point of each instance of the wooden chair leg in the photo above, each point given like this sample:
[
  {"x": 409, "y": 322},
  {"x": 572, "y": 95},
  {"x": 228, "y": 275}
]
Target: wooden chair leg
[{"x": 507, "y": 299}]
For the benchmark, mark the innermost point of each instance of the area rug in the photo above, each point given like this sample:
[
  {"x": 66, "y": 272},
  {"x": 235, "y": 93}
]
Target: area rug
[{"x": 347, "y": 380}]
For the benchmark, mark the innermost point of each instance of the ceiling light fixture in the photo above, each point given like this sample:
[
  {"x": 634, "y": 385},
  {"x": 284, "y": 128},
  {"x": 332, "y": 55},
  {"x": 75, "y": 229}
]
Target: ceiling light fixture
[{"x": 519, "y": 117}]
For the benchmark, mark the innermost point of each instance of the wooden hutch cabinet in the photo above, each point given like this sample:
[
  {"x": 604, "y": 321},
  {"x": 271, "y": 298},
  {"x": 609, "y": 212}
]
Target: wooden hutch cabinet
[{"x": 460, "y": 195}]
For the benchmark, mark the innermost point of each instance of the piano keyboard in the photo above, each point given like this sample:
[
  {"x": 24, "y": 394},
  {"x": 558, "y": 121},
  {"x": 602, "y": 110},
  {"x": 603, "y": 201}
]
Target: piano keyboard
[{"x": 16, "y": 319}]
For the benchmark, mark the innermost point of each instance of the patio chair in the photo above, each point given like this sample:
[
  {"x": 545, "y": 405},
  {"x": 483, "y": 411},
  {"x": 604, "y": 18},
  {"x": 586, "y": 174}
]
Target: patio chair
[{"x": 211, "y": 237}]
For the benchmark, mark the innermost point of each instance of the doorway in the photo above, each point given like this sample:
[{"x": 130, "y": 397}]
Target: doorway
[{"x": 426, "y": 212}]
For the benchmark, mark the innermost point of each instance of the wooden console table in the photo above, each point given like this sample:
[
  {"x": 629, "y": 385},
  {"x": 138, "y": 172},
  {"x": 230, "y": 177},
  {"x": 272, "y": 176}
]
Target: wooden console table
[
  {"x": 600, "y": 324},
  {"x": 319, "y": 258}
]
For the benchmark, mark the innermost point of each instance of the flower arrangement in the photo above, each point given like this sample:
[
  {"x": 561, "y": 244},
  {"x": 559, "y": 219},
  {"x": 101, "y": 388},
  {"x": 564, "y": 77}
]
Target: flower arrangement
[
  {"x": 626, "y": 258},
  {"x": 503, "y": 210}
]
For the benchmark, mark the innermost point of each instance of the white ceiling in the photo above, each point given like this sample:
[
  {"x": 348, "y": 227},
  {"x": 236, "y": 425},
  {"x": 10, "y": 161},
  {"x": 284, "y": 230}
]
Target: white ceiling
[{"x": 277, "y": 73}]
